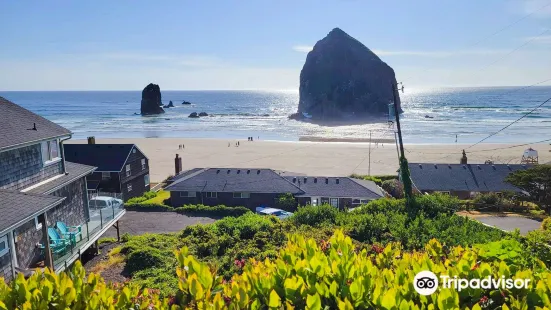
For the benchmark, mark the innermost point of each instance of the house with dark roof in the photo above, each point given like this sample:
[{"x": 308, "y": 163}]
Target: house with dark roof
[
  {"x": 38, "y": 190},
  {"x": 253, "y": 188},
  {"x": 121, "y": 168},
  {"x": 463, "y": 180}
]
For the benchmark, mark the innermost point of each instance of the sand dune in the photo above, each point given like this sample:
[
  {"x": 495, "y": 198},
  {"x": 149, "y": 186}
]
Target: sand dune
[{"x": 311, "y": 158}]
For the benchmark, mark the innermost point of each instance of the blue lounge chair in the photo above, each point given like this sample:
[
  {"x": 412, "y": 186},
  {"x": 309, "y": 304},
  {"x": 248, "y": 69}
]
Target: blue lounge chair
[
  {"x": 70, "y": 232},
  {"x": 58, "y": 245}
]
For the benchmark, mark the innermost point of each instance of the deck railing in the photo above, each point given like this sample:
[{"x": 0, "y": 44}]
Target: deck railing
[{"x": 100, "y": 220}]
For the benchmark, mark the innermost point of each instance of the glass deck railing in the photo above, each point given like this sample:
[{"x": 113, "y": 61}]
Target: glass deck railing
[{"x": 99, "y": 219}]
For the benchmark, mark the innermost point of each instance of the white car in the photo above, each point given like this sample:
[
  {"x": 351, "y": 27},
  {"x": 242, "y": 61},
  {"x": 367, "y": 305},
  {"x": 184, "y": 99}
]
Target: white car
[
  {"x": 101, "y": 202},
  {"x": 273, "y": 211}
]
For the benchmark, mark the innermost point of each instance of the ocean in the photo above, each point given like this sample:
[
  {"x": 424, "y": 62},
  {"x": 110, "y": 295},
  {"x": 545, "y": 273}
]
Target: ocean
[{"x": 469, "y": 113}]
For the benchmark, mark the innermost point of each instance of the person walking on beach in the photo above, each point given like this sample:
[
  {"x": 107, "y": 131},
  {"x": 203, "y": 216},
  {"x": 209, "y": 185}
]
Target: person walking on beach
[{"x": 179, "y": 146}]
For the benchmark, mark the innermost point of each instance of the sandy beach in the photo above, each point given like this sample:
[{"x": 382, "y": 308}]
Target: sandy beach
[{"x": 311, "y": 158}]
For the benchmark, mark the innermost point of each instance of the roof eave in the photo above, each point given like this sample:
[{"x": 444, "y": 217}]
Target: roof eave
[
  {"x": 35, "y": 214},
  {"x": 20, "y": 145}
]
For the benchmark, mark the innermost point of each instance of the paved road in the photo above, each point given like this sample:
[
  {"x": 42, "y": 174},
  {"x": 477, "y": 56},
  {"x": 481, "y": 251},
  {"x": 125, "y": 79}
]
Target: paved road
[
  {"x": 509, "y": 223},
  {"x": 138, "y": 223}
]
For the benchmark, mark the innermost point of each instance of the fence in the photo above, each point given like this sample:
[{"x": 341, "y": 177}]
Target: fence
[{"x": 93, "y": 194}]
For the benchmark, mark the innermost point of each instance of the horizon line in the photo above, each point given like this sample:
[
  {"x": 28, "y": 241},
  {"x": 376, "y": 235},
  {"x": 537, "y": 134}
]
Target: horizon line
[{"x": 250, "y": 89}]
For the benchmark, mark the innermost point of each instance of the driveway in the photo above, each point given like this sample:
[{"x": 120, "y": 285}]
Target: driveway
[
  {"x": 139, "y": 223},
  {"x": 509, "y": 223}
]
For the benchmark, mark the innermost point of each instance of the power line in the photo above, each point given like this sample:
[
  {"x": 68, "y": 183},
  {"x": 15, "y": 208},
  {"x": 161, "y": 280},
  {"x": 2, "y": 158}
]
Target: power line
[
  {"x": 508, "y": 147},
  {"x": 520, "y": 118}
]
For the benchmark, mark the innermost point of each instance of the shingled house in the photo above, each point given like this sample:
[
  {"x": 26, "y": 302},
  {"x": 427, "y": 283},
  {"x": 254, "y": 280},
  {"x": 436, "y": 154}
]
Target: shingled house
[
  {"x": 121, "y": 168},
  {"x": 38, "y": 189},
  {"x": 463, "y": 180},
  {"x": 252, "y": 188}
]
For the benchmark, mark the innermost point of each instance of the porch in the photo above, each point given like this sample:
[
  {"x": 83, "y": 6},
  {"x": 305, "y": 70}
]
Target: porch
[{"x": 100, "y": 221}]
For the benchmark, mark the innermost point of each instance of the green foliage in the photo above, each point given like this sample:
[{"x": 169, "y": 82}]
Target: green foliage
[
  {"x": 433, "y": 205},
  {"x": 147, "y": 207},
  {"x": 546, "y": 224},
  {"x": 510, "y": 251},
  {"x": 146, "y": 196},
  {"x": 394, "y": 188},
  {"x": 378, "y": 179},
  {"x": 405, "y": 178},
  {"x": 221, "y": 210},
  {"x": 287, "y": 202},
  {"x": 488, "y": 198},
  {"x": 536, "y": 181},
  {"x": 106, "y": 240},
  {"x": 144, "y": 258},
  {"x": 125, "y": 237},
  {"x": 315, "y": 215}
]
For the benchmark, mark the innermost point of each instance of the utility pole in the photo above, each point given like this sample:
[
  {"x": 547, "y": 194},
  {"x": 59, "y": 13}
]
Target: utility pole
[
  {"x": 404, "y": 170},
  {"x": 369, "y": 166}
]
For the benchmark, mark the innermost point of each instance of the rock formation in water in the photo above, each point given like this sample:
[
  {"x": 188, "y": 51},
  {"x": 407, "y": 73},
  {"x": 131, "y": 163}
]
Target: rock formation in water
[
  {"x": 193, "y": 115},
  {"x": 203, "y": 114},
  {"x": 151, "y": 100},
  {"x": 342, "y": 78},
  {"x": 186, "y": 102},
  {"x": 169, "y": 105}
]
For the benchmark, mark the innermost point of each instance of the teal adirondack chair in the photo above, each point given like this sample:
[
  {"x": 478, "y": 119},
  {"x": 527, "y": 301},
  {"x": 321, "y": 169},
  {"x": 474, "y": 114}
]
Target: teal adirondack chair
[
  {"x": 70, "y": 232},
  {"x": 58, "y": 245}
]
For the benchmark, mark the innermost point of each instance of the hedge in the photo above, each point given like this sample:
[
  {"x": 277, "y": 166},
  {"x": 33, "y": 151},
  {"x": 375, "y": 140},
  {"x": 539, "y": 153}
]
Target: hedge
[
  {"x": 220, "y": 210},
  {"x": 147, "y": 207}
]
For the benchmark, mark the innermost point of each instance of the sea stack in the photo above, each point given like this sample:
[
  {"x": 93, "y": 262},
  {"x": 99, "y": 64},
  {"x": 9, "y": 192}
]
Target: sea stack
[
  {"x": 342, "y": 78},
  {"x": 151, "y": 100}
]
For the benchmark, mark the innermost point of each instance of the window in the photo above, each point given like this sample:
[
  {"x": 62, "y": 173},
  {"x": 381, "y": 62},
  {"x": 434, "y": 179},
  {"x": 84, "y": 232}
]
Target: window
[
  {"x": 241, "y": 195},
  {"x": 188, "y": 194},
  {"x": 445, "y": 193},
  {"x": 211, "y": 194},
  {"x": 143, "y": 164},
  {"x": 128, "y": 172},
  {"x": 37, "y": 224},
  {"x": 4, "y": 247},
  {"x": 129, "y": 187},
  {"x": 334, "y": 202},
  {"x": 146, "y": 179},
  {"x": 314, "y": 201},
  {"x": 50, "y": 151},
  {"x": 359, "y": 201},
  {"x": 106, "y": 175}
]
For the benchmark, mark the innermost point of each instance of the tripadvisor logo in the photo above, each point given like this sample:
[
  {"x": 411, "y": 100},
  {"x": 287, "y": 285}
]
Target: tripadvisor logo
[{"x": 426, "y": 283}]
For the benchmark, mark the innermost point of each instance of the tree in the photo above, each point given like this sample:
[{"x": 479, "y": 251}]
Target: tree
[
  {"x": 536, "y": 181},
  {"x": 287, "y": 202}
]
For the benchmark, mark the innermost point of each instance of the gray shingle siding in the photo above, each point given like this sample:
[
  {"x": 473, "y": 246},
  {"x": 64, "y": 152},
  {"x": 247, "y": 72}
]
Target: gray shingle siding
[
  {"x": 5, "y": 265},
  {"x": 72, "y": 211},
  {"x": 23, "y": 167}
]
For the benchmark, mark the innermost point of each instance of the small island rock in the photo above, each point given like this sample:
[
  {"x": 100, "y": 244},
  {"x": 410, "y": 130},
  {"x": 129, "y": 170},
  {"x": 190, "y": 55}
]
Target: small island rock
[
  {"x": 170, "y": 105},
  {"x": 203, "y": 114},
  {"x": 151, "y": 100},
  {"x": 193, "y": 115},
  {"x": 186, "y": 102}
]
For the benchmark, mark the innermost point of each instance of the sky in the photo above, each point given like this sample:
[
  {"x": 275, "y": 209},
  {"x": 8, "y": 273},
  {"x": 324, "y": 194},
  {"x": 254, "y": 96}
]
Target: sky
[{"x": 261, "y": 44}]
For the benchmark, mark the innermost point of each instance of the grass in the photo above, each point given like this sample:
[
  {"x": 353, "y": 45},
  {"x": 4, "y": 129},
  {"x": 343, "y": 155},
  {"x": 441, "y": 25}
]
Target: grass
[
  {"x": 107, "y": 240},
  {"x": 160, "y": 198},
  {"x": 113, "y": 258}
]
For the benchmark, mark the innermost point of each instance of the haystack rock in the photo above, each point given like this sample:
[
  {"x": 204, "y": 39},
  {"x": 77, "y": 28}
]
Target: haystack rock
[
  {"x": 151, "y": 100},
  {"x": 170, "y": 105},
  {"x": 342, "y": 78}
]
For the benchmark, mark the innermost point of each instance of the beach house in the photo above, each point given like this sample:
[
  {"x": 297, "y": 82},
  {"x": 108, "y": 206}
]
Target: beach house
[
  {"x": 45, "y": 220},
  {"x": 252, "y": 188},
  {"x": 122, "y": 169},
  {"x": 463, "y": 180}
]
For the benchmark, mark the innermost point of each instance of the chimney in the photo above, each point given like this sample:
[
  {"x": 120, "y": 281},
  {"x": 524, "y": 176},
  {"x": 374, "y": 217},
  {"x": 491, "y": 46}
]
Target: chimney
[
  {"x": 337, "y": 181},
  {"x": 464, "y": 158},
  {"x": 177, "y": 165},
  {"x": 91, "y": 140}
]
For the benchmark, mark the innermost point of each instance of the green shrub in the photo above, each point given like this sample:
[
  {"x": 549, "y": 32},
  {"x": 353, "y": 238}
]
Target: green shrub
[
  {"x": 125, "y": 237},
  {"x": 315, "y": 215},
  {"x": 220, "y": 210},
  {"x": 378, "y": 179},
  {"x": 488, "y": 198},
  {"x": 144, "y": 258},
  {"x": 546, "y": 224},
  {"x": 287, "y": 202},
  {"x": 382, "y": 205},
  {"x": 394, "y": 188},
  {"x": 147, "y": 207},
  {"x": 146, "y": 196},
  {"x": 435, "y": 204}
]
